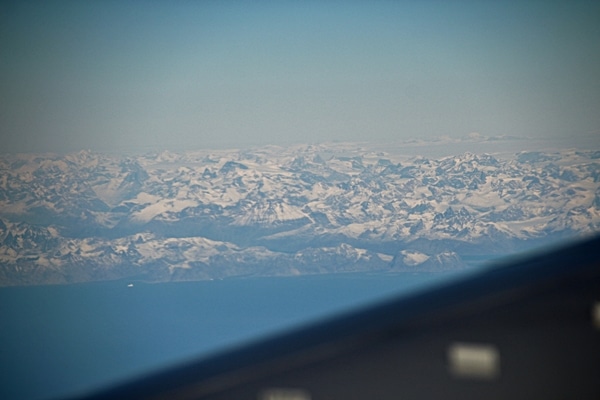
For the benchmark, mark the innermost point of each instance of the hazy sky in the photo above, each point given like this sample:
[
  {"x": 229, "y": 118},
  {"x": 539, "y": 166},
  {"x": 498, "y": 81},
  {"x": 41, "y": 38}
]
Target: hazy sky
[{"x": 107, "y": 75}]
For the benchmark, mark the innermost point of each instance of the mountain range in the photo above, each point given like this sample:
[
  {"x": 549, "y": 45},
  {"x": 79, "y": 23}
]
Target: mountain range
[{"x": 302, "y": 209}]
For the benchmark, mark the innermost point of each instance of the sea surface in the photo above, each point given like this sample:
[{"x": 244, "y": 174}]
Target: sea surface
[{"x": 58, "y": 341}]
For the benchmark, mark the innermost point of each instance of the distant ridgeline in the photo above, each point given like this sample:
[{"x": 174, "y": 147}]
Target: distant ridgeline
[{"x": 282, "y": 211}]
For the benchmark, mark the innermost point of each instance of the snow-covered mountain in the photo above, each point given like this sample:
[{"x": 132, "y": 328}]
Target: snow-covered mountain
[{"x": 281, "y": 211}]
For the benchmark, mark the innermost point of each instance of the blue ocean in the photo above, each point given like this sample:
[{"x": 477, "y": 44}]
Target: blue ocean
[{"x": 59, "y": 341}]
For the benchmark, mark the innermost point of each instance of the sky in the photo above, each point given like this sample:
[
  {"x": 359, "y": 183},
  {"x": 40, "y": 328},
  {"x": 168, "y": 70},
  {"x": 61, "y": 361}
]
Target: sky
[{"x": 148, "y": 75}]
